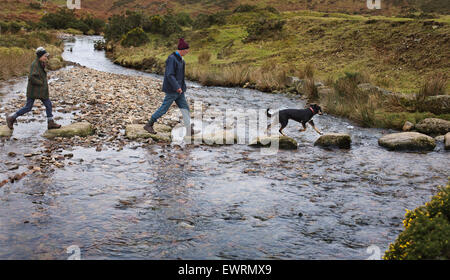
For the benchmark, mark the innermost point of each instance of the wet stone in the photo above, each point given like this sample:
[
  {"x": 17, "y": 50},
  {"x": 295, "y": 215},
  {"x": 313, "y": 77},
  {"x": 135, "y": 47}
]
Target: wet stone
[
  {"x": 5, "y": 131},
  {"x": 339, "y": 140},
  {"x": 284, "y": 142},
  {"x": 136, "y": 131},
  {"x": 220, "y": 137},
  {"x": 433, "y": 126},
  {"x": 81, "y": 129},
  {"x": 413, "y": 141}
]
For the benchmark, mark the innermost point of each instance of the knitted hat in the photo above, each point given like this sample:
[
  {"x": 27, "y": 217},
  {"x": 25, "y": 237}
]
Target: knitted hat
[
  {"x": 41, "y": 51},
  {"x": 182, "y": 45}
]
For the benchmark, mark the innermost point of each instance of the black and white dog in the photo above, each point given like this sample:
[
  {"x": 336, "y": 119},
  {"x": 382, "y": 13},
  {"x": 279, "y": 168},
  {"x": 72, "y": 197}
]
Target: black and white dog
[{"x": 302, "y": 116}]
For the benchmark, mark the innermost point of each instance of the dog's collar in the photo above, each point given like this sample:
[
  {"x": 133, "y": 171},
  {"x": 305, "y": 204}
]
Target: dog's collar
[{"x": 312, "y": 110}]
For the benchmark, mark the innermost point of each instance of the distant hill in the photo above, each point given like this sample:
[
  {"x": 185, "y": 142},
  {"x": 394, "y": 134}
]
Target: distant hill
[{"x": 29, "y": 9}]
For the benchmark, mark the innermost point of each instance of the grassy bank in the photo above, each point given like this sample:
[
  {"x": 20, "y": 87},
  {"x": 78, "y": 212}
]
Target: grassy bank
[
  {"x": 17, "y": 52},
  {"x": 394, "y": 53}
]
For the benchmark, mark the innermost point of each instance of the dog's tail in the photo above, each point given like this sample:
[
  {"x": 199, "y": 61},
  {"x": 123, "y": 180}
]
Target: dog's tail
[{"x": 267, "y": 112}]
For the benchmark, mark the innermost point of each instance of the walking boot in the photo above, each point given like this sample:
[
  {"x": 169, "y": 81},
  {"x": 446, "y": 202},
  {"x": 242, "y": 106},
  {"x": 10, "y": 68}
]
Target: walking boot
[
  {"x": 149, "y": 128},
  {"x": 53, "y": 125},
  {"x": 10, "y": 121}
]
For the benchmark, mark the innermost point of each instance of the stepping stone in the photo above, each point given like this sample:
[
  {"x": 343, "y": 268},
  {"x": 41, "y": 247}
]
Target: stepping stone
[
  {"x": 221, "y": 137},
  {"x": 339, "y": 140},
  {"x": 433, "y": 126},
  {"x": 81, "y": 129},
  {"x": 5, "y": 131},
  {"x": 285, "y": 142},
  {"x": 136, "y": 131},
  {"x": 414, "y": 141}
]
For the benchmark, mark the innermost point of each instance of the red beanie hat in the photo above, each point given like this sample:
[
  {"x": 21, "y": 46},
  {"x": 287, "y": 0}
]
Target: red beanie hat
[{"x": 182, "y": 45}]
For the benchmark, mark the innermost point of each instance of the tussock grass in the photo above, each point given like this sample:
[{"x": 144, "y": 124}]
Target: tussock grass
[
  {"x": 432, "y": 86},
  {"x": 15, "y": 62}
]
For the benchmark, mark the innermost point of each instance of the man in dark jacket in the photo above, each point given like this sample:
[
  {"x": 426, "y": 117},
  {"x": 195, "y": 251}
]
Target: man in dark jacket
[
  {"x": 174, "y": 86},
  {"x": 37, "y": 89}
]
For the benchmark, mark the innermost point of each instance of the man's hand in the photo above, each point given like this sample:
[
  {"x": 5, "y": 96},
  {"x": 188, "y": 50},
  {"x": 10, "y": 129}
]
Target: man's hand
[{"x": 180, "y": 91}]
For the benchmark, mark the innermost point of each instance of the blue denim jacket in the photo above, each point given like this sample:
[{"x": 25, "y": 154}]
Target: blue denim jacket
[{"x": 174, "y": 74}]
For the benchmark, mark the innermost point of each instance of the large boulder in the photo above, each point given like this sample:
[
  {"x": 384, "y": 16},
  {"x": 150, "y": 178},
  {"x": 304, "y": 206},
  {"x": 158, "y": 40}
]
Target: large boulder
[
  {"x": 136, "y": 131},
  {"x": 339, "y": 140},
  {"x": 5, "y": 131},
  {"x": 284, "y": 142},
  {"x": 433, "y": 126},
  {"x": 81, "y": 129},
  {"x": 218, "y": 137},
  {"x": 447, "y": 141},
  {"x": 413, "y": 141}
]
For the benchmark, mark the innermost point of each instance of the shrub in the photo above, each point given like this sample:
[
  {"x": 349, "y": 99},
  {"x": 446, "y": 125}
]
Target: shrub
[
  {"x": 35, "y": 5},
  {"x": 245, "y": 8},
  {"x": 427, "y": 231},
  {"x": 264, "y": 29},
  {"x": 135, "y": 37},
  {"x": 183, "y": 19},
  {"x": 14, "y": 27},
  {"x": 4, "y": 26},
  {"x": 116, "y": 27},
  {"x": 95, "y": 24},
  {"x": 79, "y": 25},
  {"x": 205, "y": 21},
  {"x": 60, "y": 19}
]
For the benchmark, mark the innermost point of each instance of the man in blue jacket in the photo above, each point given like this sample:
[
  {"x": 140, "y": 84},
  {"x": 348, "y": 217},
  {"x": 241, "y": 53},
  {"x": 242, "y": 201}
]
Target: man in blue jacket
[{"x": 175, "y": 87}]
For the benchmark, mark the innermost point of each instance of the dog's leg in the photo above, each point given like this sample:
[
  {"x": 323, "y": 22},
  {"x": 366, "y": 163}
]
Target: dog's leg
[
  {"x": 315, "y": 128},
  {"x": 281, "y": 131},
  {"x": 304, "y": 127}
]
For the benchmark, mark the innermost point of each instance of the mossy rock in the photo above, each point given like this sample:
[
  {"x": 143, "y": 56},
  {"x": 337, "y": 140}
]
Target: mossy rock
[
  {"x": 433, "y": 126},
  {"x": 285, "y": 142},
  {"x": 5, "y": 131},
  {"x": 81, "y": 129},
  {"x": 136, "y": 131},
  {"x": 338, "y": 140},
  {"x": 412, "y": 141}
]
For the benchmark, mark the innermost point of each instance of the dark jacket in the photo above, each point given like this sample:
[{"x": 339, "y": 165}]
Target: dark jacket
[
  {"x": 174, "y": 74},
  {"x": 37, "y": 81}
]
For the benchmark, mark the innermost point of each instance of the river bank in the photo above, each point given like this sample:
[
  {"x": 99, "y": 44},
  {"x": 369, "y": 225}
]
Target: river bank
[{"x": 136, "y": 200}]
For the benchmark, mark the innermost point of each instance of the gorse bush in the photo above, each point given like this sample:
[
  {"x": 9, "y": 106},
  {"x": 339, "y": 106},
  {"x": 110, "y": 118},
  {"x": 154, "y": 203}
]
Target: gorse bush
[
  {"x": 65, "y": 18},
  {"x": 135, "y": 37},
  {"x": 205, "y": 21},
  {"x": 62, "y": 19},
  {"x": 245, "y": 8},
  {"x": 427, "y": 231},
  {"x": 119, "y": 25}
]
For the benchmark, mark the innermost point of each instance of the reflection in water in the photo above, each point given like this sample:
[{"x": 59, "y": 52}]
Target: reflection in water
[{"x": 227, "y": 202}]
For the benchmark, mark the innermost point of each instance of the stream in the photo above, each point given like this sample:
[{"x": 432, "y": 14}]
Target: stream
[{"x": 211, "y": 202}]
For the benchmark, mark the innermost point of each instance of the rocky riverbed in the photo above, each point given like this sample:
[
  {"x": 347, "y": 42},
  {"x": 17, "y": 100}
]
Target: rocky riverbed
[
  {"x": 108, "y": 101},
  {"x": 119, "y": 198}
]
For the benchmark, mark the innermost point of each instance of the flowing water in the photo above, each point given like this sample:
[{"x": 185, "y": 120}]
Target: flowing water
[{"x": 220, "y": 202}]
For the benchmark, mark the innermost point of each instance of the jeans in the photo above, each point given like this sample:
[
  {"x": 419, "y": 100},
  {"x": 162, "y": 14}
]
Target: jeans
[
  {"x": 29, "y": 105},
  {"x": 181, "y": 102}
]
